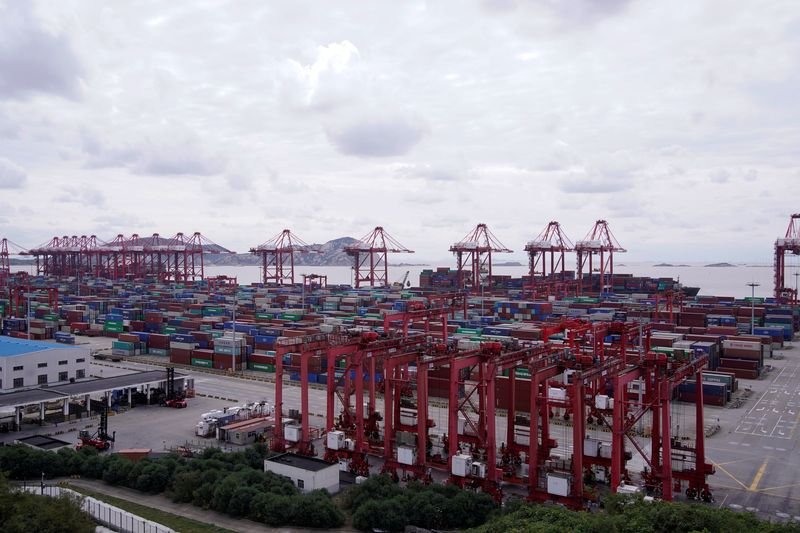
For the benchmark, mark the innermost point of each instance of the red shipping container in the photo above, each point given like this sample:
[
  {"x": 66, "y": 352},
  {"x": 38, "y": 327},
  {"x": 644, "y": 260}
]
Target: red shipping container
[{"x": 180, "y": 356}]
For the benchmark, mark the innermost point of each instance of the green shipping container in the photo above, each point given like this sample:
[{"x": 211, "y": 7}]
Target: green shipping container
[
  {"x": 122, "y": 345},
  {"x": 201, "y": 362},
  {"x": 262, "y": 367}
]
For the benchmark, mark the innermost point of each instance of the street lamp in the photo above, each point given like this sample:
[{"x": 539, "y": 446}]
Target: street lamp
[
  {"x": 753, "y": 286},
  {"x": 235, "y": 304}
]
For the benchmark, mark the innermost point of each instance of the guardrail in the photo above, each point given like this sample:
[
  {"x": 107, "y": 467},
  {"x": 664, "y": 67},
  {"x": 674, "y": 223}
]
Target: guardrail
[{"x": 102, "y": 513}]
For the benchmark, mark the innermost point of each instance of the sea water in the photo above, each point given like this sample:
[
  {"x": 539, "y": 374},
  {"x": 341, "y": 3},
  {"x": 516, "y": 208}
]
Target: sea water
[{"x": 717, "y": 281}]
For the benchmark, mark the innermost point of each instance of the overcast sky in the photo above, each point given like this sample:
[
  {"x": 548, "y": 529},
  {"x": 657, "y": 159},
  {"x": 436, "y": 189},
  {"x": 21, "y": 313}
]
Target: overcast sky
[{"x": 678, "y": 122}]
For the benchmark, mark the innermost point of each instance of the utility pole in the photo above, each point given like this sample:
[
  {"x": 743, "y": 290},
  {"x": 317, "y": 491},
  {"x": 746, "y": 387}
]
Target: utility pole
[
  {"x": 753, "y": 286},
  {"x": 235, "y": 305}
]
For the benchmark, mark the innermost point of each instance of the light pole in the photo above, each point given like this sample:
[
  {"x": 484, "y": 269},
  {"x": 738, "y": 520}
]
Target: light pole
[
  {"x": 796, "y": 275},
  {"x": 28, "y": 313},
  {"x": 235, "y": 303},
  {"x": 753, "y": 286}
]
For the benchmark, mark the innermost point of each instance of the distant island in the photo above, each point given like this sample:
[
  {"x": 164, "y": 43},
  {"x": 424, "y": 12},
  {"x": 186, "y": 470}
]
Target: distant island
[
  {"x": 716, "y": 265},
  {"x": 508, "y": 264},
  {"x": 671, "y": 265},
  {"x": 408, "y": 264}
]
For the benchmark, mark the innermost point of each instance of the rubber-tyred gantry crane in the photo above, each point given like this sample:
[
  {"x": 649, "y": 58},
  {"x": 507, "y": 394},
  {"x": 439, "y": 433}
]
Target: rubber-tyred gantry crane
[
  {"x": 370, "y": 266},
  {"x": 277, "y": 257},
  {"x": 474, "y": 257},
  {"x": 598, "y": 242},
  {"x": 789, "y": 244}
]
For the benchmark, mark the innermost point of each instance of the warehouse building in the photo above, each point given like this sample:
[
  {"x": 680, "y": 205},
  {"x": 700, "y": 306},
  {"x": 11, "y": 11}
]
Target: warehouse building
[
  {"x": 307, "y": 473},
  {"x": 26, "y": 364}
]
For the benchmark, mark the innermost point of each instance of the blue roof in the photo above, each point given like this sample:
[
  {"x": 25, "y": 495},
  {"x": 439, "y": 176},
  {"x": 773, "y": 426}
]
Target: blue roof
[{"x": 10, "y": 346}]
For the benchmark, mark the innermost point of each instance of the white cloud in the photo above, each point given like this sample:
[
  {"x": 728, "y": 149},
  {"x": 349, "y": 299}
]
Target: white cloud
[
  {"x": 332, "y": 121},
  {"x": 719, "y": 176},
  {"x": 32, "y": 58},
  {"x": 163, "y": 154},
  {"x": 377, "y": 136},
  {"x": 12, "y": 176},
  {"x": 329, "y": 80}
]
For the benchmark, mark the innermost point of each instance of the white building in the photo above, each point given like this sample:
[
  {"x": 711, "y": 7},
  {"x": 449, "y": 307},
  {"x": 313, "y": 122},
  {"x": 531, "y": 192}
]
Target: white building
[
  {"x": 26, "y": 364},
  {"x": 307, "y": 473}
]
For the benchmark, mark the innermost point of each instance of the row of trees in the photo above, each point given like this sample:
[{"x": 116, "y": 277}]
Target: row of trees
[
  {"x": 232, "y": 483},
  {"x": 379, "y": 503},
  {"x": 23, "y": 512},
  {"x": 627, "y": 514}
]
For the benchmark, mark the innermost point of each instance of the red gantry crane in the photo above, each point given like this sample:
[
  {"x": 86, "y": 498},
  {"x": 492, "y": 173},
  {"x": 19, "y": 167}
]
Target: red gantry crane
[
  {"x": 474, "y": 257},
  {"x": 277, "y": 257},
  {"x": 789, "y": 244},
  {"x": 7, "y": 249},
  {"x": 550, "y": 248},
  {"x": 370, "y": 257},
  {"x": 68, "y": 256},
  {"x": 602, "y": 243}
]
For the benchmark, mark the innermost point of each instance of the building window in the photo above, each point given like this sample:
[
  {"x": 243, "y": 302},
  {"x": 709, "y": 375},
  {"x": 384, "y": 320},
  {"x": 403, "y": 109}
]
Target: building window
[
  {"x": 62, "y": 363},
  {"x": 41, "y": 379},
  {"x": 62, "y": 376},
  {"x": 18, "y": 382},
  {"x": 42, "y": 365},
  {"x": 81, "y": 360},
  {"x": 80, "y": 374},
  {"x": 301, "y": 484},
  {"x": 18, "y": 368}
]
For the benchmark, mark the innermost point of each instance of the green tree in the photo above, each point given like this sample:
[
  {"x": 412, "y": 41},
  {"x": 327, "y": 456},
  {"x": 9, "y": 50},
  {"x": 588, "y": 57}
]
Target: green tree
[
  {"x": 375, "y": 514},
  {"x": 22, "y": 512},
  {"x": 316, "y": 510},
  {"x": 184, "y": 484},
  {"x": 241, "y": 499}
]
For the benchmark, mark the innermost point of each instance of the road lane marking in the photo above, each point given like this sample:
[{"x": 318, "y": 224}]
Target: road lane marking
[
  {"x": 780, "y": 487},
  {"x": 759, "y": 475},
  {"x": 730, "y": 475}
]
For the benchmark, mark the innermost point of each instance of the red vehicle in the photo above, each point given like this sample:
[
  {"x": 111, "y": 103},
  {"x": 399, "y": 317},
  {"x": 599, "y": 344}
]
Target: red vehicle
[
  {"x": 177, "y": 403},
  {"x": 94, "y": 441}
]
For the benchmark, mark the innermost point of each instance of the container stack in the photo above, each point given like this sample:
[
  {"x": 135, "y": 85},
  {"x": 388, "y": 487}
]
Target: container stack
[{"x": 744, "y": 359}]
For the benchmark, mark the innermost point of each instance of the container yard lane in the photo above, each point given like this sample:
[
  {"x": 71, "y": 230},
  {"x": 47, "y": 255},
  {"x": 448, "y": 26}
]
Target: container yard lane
[{"x": 755, "y": 453}]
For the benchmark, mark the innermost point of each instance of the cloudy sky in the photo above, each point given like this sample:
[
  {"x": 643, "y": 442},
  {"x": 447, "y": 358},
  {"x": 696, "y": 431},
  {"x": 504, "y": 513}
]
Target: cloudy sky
[{"x": 678, "y": 122}]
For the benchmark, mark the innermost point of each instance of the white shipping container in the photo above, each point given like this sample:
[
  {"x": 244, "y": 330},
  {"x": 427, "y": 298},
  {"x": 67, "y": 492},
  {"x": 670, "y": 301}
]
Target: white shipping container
[
  {"x": 742, "y": 345},
  {"x": 558, "y": 484},
  {"x": 406, "y": 455},
  {"x": 555, "y": 393},
  {"x": 591, "y": 447},
  {"x": 605, "y": 450},
  {"x": 292, "y": 433},
  {"x": 601, "y": 401},
  {"x": 335, "y": 440},
  {"x": 462, "y": 464},
  {"x": 408, "y": 419},
  {"x": 478, "y": 470}
]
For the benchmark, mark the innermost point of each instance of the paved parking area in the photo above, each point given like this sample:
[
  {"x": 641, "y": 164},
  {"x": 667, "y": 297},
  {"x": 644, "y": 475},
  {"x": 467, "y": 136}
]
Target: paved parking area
[{"x": 754, "y": 454}]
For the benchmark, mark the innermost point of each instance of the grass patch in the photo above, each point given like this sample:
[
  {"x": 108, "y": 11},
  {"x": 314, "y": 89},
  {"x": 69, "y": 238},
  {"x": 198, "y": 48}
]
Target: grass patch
[{"x": 173, "y": 521}]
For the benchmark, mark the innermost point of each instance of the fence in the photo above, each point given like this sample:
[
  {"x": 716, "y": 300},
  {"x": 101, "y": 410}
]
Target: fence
[{"x": 103, "y": 513}]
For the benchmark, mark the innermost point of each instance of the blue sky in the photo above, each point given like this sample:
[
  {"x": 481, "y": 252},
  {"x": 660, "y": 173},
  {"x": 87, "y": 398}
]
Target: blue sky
[{"x": 675, "y": 121}]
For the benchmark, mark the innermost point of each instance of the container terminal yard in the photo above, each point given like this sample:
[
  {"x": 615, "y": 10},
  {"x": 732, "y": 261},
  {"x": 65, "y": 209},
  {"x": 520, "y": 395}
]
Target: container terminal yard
[{"x": 559, "y": 386}]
